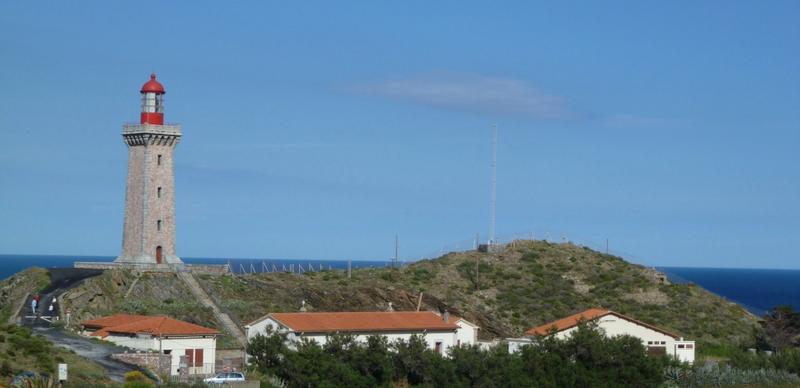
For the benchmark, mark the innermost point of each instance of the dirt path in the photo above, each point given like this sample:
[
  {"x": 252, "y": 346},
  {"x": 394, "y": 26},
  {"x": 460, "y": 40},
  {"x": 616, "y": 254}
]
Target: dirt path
[{"x": 206, "y": 300}]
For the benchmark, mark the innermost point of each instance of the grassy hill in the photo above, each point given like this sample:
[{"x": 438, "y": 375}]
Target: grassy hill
[{"x": 526, "y": 284}]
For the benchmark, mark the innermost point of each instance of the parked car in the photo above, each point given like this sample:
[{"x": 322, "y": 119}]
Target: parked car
[{"x": 226, "y": 377}]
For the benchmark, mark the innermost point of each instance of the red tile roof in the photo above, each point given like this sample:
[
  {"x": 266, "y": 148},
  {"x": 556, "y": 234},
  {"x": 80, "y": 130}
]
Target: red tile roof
[
  {"x": 136, "y": 324},
  {"x": 363, "y": 321},
  {"x": 588, "y": 315},
  {"x": 113, "y": 320}
]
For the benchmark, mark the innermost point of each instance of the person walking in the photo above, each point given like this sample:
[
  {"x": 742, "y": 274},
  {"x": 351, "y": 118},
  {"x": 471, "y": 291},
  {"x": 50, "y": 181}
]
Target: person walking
[
  {"x": 33, "y": 305},
  {"x": 55, "y": 308}
]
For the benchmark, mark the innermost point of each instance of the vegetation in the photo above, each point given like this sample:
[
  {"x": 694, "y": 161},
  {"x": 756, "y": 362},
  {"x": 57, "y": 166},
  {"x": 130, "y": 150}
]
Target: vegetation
[
  {"x": 21, "y": 350},
  {"x": 14, "y": 290},
  {"x": 716, "y": 375},
  {"x": 586, "y": 359},
  {"x": 524, "y": 285}
]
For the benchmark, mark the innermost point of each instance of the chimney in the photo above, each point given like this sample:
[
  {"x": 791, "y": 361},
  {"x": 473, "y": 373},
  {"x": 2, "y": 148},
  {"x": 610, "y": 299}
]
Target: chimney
[
  {"x": 446, "y": 316},
  {"x": 303, "y": 306},
  {"x": 390, "y": 308}
]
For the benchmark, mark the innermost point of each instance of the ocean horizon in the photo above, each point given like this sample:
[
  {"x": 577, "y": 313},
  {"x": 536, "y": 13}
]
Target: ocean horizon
[{"x": 758, "y": 290}]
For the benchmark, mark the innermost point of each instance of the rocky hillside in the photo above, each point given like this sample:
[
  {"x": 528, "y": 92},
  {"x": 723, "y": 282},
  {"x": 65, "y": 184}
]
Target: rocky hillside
[
  {"x": 526, "y": 284},
  {"x": 15, "y": 289}
]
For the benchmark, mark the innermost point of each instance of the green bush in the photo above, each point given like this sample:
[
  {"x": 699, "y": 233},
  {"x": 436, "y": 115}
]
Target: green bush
[{"x": 588, "y": 358}]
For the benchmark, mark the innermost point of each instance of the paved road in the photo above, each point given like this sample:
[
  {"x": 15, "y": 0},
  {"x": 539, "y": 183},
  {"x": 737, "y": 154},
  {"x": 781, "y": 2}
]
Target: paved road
[
  {"x": 62, "y": 279},
  {"x": 93, "y": 350}
]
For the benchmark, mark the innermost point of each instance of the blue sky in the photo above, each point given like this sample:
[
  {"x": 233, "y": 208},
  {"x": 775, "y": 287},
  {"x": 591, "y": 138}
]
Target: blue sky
[{"x": 321, "y": 130}]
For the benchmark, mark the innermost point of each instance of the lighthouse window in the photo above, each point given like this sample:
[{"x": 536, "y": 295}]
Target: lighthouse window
[
  {"x": 158, "y": 192},
  {"x": 159, "y": 160},
  {"x": 158, "y": 225}
]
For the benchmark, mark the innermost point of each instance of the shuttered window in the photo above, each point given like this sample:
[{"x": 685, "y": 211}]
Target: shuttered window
[{"x": 189, "y": 357}]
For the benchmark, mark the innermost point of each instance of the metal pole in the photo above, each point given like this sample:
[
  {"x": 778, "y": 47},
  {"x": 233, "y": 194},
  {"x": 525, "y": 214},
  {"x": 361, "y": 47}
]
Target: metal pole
[
  {"x": 494, "y": 186},
  {"x": 396, "y": 243}
]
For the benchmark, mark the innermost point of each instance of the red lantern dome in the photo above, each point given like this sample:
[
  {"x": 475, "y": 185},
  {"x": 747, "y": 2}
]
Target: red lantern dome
[
  {"x": 153, "y": 86},
  {"x": 152, "y": 102}
]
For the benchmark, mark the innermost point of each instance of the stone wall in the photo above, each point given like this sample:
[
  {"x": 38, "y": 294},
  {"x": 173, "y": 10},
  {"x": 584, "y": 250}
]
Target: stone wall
[
  {"x": 150, "y": 194},
  {"x": 209, "y": 269},
  {"x": 159, "y": 364}
]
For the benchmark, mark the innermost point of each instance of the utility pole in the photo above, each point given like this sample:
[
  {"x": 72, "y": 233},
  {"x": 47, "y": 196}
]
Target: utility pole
[
  {"x": 494, "y": 187},
  {"x": 606, "y": 245},
  {"x": 396, "y": 248}
]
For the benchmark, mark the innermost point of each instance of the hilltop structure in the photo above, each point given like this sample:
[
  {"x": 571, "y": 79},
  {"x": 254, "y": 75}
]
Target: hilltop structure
[{"x": 148, "y": 235}]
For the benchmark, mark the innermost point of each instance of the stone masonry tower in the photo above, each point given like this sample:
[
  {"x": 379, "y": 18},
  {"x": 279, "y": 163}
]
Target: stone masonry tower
[{"x": 148, "y": 236}]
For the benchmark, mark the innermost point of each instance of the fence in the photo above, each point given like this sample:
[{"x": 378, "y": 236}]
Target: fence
[{"x": 469, "y": 244}]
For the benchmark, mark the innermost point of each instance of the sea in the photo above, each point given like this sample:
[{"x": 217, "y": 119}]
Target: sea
[{"x": 758, "y": 290}]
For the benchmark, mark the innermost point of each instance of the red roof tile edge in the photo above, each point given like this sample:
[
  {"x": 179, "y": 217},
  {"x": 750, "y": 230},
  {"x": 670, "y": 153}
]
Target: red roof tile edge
[
  {"x": 588, "y": 315},
  {"x": 362, "y": 321},
  {"x": 136, "y": 324}
]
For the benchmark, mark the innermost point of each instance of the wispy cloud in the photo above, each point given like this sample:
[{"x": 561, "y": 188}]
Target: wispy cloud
[
  {"x": 274, "y": 146},
  {"x": 634, "y": 121},
  {"x": 471, "y": 93}
]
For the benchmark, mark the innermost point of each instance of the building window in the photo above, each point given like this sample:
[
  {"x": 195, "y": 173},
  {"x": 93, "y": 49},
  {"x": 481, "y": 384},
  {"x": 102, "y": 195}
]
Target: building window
[
  {"x": 159, "y": 160},
  {"x": 158, "y": 225},
  {"x": 681, "y": 346},
  {"x": 689, "y": 346},
  {"x": 158, "y": 192},
  {"x": 438, "y": 348},
  {"x": 663, "y": 342}
]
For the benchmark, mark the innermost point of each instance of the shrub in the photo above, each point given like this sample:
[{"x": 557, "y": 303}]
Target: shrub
[{"x": 5, "y": 369}]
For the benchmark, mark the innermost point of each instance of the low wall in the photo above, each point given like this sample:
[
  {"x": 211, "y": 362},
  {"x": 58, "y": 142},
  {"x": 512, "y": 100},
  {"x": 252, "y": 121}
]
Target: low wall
[
  {"x": 209, "y": 269},
  {"x": 160, "y": 364}
]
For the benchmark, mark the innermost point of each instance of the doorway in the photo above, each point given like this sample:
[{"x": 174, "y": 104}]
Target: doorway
[{"x": 158, "y": 254}]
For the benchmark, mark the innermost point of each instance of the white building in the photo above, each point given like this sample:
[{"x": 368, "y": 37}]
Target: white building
[
  {"x": 657, "y": 341},
  {"x": 440, "y": 332},
  {"x": 162, "y": 334}
]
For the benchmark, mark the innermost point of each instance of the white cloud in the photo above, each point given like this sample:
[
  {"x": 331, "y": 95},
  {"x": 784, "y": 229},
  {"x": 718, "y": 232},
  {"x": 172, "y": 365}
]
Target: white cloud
[{"x": 472, "y": 93}]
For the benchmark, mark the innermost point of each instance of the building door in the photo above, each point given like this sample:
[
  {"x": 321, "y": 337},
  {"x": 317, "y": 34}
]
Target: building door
[{"x": 158, "y": 254}]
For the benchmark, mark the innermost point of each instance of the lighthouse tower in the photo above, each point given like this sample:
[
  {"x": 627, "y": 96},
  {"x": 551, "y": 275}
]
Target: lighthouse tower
[{"x": 148, "y": 235}]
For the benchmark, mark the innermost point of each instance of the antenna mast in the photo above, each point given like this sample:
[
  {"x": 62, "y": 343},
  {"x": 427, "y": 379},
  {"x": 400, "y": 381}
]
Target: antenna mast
[
  {"x": 493, "y": 203},
  {"x": 396, "y": 245}
]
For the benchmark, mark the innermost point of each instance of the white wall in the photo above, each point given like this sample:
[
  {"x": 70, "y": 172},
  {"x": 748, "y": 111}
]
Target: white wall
[
  {"x": 613, "y": 325},
  {"x": 467, "y": 333},
  {"x": 514, "y": 344},
  {"x": 177, "y": 347},
  {"x": 447, "y": 338}
]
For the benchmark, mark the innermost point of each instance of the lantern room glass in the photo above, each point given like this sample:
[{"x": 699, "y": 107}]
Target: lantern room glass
[{"x": 152, "y": 103}]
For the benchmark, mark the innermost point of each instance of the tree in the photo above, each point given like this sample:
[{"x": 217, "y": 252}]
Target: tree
[
  {"x": 267, "y": 351},
  {"x": 409, "y": 361},
  {"x": 781, "y": 327}
]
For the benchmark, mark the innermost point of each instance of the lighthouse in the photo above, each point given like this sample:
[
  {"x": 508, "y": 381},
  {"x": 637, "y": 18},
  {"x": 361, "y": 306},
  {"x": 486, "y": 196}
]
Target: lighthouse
[{"x": 148, "y": 234}]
